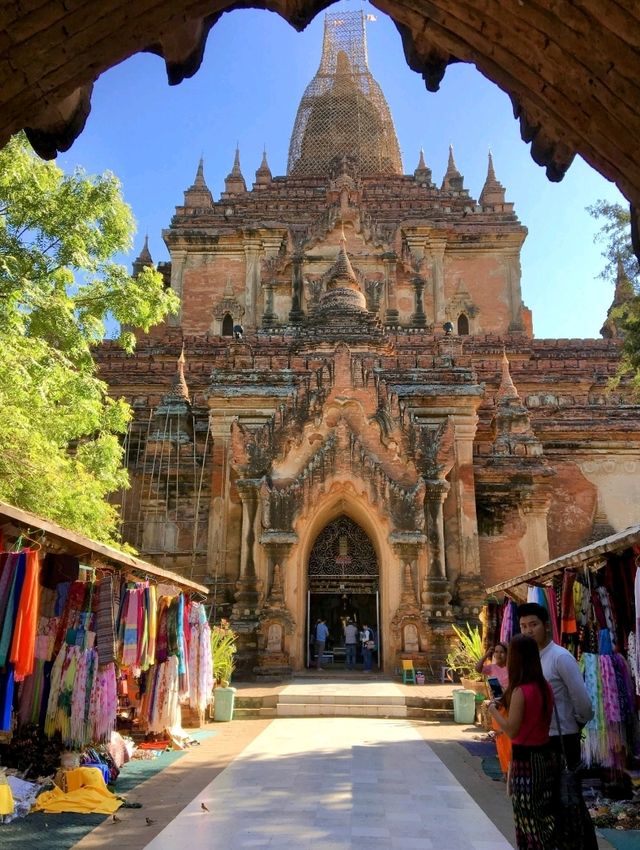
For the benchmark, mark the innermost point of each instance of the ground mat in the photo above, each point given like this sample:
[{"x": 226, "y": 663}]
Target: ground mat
[
  {"x": 482, "y": 749},
  {"x": 621, "y": 839},
  {"x": 62, "y": 831},
  {"x": 491, "y": 766}
]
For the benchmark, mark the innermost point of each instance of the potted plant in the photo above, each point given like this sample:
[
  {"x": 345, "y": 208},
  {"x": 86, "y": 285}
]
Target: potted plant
[
  {"x": 464, "y": 658},
  {"x": 223, "y": 650}
]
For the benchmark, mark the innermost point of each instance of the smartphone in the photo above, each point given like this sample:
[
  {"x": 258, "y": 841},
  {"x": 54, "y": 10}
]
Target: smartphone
[{"x": 495, "y": 686}]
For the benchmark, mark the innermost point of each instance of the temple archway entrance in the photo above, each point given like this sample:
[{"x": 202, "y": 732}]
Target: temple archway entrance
[{"x": 343, "y": 586}]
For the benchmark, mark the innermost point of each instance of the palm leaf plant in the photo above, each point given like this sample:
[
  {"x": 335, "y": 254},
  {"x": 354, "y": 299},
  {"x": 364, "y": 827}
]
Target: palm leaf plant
[
  {"x": 223, "y": 650},
  {"x": 464, "y": 657}
]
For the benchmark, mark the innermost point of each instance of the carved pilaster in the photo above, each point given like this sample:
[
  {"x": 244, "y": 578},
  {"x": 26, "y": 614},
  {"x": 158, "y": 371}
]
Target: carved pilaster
[
  {"x": 419, "y": 319},
  {"x": 391, "y": 316},
  {"x": 436, "y": 249},
  {"x": 296, "y": 313},
  {"x": 435, "y": 596},
  {"x": 246, "y": 601},
  {"x": 252, "y": 279},
  {"x": 268, "y": 317}
]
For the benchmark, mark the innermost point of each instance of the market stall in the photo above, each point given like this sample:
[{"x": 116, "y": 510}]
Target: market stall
[
  {"x": 90, "y": 635},
  {"x": 593, "y": 598}
]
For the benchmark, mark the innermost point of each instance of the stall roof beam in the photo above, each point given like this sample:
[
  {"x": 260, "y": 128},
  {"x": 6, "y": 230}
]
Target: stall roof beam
[
  {"x": 77, "y": 544},
  {"x": 589, "y": 556}
]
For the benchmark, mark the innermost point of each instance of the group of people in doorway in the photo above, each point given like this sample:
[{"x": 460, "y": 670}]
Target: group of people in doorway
[
  {"x": 354, "y": 637},
  {"x": 538, "y": 717}
]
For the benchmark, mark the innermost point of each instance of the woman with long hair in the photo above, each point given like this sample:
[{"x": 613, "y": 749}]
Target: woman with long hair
[{"x": 529, "y": 701}]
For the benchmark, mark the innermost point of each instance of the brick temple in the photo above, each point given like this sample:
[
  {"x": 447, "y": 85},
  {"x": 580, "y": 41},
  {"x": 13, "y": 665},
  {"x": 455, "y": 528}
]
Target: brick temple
[{"x": 351, "y": 417}]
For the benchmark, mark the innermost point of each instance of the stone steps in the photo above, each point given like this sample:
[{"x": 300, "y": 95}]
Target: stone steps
[{"x": 343, "y": 705}]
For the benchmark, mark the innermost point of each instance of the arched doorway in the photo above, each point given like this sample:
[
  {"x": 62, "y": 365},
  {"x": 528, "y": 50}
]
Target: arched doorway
[{"x": 343, "y": 585}]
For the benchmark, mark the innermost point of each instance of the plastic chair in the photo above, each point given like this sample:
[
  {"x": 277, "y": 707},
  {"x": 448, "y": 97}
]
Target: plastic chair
[{"x": 408, "y": 673}]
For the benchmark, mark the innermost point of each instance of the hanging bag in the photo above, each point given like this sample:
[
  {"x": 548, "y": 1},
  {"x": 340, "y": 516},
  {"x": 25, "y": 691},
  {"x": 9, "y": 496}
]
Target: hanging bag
[{"x": 569, "y": 784}]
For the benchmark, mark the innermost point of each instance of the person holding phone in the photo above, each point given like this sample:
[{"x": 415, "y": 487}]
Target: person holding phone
[{"x": 529, "y": 704}]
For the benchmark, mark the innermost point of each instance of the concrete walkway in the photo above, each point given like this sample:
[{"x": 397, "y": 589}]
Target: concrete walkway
[{"x": 335, "y": 785}]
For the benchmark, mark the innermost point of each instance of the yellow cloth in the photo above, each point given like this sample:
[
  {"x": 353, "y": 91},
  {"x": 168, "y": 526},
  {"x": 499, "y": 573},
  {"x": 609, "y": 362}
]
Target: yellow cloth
[
  {"x": 87, "y": 794},
  {"x": 6, "y": 799}
]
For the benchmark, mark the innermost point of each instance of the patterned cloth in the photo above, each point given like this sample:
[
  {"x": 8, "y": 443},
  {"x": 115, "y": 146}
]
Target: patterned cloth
[{"x": 531, "y": 791}]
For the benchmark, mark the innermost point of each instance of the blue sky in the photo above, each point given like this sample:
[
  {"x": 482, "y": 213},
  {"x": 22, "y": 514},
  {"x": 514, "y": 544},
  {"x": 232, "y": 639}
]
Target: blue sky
[{"x": 255, "y": 70}]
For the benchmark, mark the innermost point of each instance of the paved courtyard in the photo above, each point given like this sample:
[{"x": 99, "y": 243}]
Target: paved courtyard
[{"x": 334, "y": 784}]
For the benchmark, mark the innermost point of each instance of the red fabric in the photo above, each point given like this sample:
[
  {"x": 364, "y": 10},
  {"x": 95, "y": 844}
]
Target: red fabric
[
  {"x": 24, "y": 631},
  {"x": 534, "y": 730}
]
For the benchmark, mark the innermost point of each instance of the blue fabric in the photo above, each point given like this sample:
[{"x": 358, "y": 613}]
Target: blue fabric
[
  {"x": 103, "y": 768},
  {"x": 6, "y": 698},
  {"x": 604, "y": 642},
  {"x": 12, "y": 608},
  {"x": 350, "y": 655}
]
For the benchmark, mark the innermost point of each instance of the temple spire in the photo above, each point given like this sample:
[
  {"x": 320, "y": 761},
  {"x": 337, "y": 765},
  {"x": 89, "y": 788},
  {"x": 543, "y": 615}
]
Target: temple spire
[
  {"x": 179, "y": 387},
  {"x": 507, "y": 389},
  {"x": 234, "y": 183},
  {"x": 263, "y": 174},
  {"x": 422, "y": 174},
  {"x": 492, "y": 194},
  {"x": 611, "y": 329},
  {"x": 198, "y": 194},
  {"x": 453, "y": 180},
  {"x": 144, "y": 259}
]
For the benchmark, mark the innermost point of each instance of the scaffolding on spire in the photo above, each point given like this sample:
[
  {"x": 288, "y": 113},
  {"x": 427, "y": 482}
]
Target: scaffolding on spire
[{"x": 343, "y": 112}]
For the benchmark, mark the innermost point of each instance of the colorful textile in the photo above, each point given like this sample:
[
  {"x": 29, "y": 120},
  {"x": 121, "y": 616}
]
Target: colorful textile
[
  {"x": 105, "y": 622},
  {"x": 24, "y": 631},
  {"x": 531, "y": 791}
]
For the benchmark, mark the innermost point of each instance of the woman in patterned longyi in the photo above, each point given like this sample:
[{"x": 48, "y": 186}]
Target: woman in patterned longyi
[{"x": 529, "y": 701}]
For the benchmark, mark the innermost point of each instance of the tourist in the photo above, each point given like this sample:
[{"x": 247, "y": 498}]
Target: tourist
[
  {"x": 529, "y": 703},
  {"x": 350, "y": 644},
  {"x": 368, "y": 643},
  {"x": 321, "y": 635},
  {"x": 494, "y": 665},
  {"x": 572, "y": 700}
]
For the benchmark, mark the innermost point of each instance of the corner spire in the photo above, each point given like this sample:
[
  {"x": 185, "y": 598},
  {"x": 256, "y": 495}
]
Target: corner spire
[
  {"x": 422, "y": 174},
  {"x": 198, "y": 194},
  {"x": 179, "y": 388},
  {"x": 453, "y": 180},
  {"x": 492, "y": 194},
  {"x": 234, "y": 183},
  {"x": 144, "y": 259},
  {"x": 263, "y": 174},
  {"x": 624, "y": 292},
  {"x": 507, "y": 389}
]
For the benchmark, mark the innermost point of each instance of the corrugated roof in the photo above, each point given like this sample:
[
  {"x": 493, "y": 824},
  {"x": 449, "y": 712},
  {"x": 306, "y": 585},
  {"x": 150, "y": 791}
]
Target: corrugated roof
[{"x": 77, "y": 544}]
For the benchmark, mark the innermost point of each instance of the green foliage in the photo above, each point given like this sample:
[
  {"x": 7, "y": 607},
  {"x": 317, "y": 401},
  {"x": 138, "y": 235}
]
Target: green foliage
[
  {"x": 615, "y": 233},
  {"x": 465, "y": 656},
  {"x": 223, "y": 650},
  {"x": 60, "y": 453}
]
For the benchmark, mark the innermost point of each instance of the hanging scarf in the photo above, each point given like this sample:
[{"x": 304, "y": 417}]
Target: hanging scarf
[
  {"x": 105, "y": 622},
  {"x": 11, "y": 611},
  {"x": 129, "y": 628},
  {"x": 568, "y": 625},
  {"x": 24, "y": 632},
  {"x": 594, "y": 738}
]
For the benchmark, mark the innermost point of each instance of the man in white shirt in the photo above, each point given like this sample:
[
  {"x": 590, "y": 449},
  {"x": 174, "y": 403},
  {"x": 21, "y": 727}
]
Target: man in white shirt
[{"x": 572, "y": 700}]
